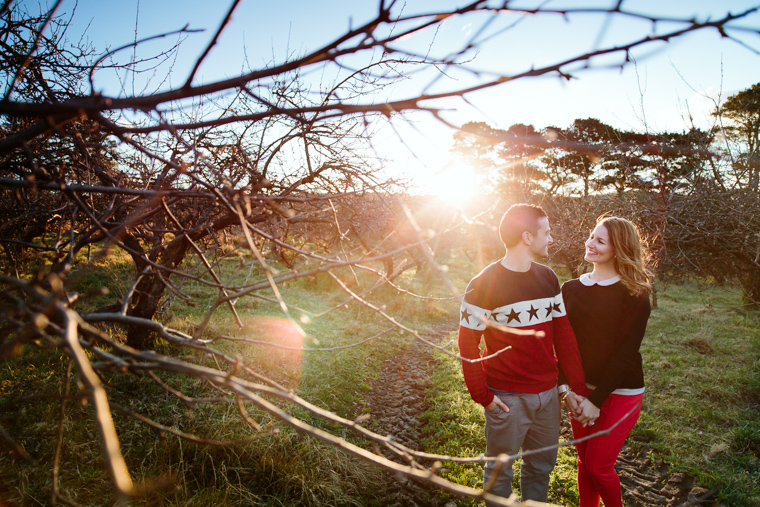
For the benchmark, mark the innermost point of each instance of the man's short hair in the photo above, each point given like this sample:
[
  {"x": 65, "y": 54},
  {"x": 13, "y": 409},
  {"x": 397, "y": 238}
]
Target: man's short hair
[{"x": 518, "y": 219}]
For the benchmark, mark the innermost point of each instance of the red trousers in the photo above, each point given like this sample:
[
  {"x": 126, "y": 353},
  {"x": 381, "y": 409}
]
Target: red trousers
[{"x": 597, "y": 478}]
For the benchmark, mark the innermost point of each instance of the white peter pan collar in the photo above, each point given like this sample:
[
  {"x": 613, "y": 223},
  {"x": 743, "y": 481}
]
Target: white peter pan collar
[{"x": 586, "y": 280}]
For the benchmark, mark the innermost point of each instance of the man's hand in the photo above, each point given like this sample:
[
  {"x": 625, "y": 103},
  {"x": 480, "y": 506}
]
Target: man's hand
[
  {"x": 586, "y": 413},
  {"x": 572, "y": 401},
  {"x": 497, "y": 403}
]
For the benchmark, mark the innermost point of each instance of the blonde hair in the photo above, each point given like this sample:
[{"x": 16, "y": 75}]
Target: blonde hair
[{"x": 630, "y": 254}]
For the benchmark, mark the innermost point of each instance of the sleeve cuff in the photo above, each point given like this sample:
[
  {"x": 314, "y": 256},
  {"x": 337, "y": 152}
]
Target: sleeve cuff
[{"x": 491, "y": 397}]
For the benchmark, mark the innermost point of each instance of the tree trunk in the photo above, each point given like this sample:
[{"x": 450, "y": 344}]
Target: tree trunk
[
  {"x": 147, "y": 297},
  {"x": 148, "y": 292},
  {"x": 751, "y": 288}
]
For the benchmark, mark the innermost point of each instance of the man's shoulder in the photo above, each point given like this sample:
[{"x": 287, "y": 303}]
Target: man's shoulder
[
  {"x": 487, "y": 273},
  {"x": 483, "y": 283},
  {"x": 544, "y": 271}
]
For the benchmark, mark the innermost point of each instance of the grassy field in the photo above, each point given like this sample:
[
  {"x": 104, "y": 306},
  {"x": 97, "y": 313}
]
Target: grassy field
[{"x": 702, "y": 356}]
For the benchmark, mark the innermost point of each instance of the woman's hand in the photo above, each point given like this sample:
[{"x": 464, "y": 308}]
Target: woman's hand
[
  {"x": 586, "y": 413},
  {"x": 497, "y": 403}
]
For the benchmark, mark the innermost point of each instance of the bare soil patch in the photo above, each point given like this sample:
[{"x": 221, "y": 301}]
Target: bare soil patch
[{"x": 647, "y": 480}]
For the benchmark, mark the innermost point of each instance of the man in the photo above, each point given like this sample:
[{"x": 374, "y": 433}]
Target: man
[{"x": 516, "y": 377}]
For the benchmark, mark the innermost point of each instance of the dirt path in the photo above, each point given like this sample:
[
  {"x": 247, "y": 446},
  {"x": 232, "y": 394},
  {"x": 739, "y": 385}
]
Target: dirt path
[{"x": 397, "y": 400}]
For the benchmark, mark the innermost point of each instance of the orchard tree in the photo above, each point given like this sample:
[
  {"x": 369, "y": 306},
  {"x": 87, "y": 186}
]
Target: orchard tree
[
  {"x": 590, "y": 166},
  {"x": 739, "y": 123},
  {"x": 741, "y": 114},
  {"x": 711, "y": 196}
]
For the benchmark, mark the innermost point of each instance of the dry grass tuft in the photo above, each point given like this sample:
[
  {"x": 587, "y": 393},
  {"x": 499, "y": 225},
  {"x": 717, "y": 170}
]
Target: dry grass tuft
[{"x": 701, "y": 344}]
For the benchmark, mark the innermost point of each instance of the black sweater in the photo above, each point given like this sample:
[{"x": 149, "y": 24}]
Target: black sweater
[{"x": 609, "y": 324}]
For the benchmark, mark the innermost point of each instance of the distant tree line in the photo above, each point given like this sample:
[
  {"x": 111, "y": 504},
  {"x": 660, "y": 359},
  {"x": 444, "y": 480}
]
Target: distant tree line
[{"x": 694, "y": 193}]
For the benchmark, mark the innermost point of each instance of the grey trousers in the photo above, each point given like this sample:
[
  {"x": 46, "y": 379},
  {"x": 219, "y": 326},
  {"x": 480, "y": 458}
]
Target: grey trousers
[{"x": 531, "y": 423}]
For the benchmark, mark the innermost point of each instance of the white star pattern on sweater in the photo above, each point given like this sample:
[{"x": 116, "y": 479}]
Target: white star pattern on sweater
[{"x": 520, "y": 314}]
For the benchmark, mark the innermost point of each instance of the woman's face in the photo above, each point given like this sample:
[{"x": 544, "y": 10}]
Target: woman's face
[{"x": 598, "y": 247}]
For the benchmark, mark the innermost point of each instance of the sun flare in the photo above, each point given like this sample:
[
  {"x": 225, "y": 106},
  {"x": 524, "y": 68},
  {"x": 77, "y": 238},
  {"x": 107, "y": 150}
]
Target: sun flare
[{"x": 455, "y": 184}]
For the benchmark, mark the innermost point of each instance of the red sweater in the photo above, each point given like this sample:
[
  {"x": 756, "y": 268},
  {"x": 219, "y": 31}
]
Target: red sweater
[{"x": 527, "y": 301}]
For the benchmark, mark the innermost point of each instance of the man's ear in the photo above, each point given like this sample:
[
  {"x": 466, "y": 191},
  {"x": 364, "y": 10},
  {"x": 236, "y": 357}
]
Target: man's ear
[{"x": 527, "y": 237}]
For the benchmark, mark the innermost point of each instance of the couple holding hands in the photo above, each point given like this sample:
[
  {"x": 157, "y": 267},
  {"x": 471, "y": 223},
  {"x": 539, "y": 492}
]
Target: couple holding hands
[{"x": 547, "y": 345}]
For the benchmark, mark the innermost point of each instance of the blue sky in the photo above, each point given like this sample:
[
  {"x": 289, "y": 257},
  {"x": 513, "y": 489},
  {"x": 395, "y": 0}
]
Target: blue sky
[{"x": 654, "y": 93}]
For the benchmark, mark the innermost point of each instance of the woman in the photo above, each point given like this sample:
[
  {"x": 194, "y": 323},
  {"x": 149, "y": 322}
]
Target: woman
[{"x": 608, "y": 310}]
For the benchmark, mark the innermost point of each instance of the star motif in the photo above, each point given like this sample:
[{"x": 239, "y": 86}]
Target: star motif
[
  {"x": 557, "y": 307},
  {"x": 549, "y": 310},
  {"x": 495, "y": 317},
  {"x": 465, "y": 316},
  {"x": 513, "y": 315},
  {"x": 533, "y": 312}
]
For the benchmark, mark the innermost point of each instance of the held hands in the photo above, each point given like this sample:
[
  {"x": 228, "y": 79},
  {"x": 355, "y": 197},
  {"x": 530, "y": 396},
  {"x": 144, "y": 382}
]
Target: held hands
[
  {"x": 580, "y": 408},
  {"x": 586, "y": 412},
  {"x": 572, "y": 401}
]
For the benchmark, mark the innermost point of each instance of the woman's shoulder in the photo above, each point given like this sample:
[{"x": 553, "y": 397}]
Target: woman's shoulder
[
  {"x": 571, "y": 286},
  {"x": 637, "y": 304},
  {"x": 642, "y": 300},
  {"x": 571, "y": 283},
  {"x": 582, "y": 281}
]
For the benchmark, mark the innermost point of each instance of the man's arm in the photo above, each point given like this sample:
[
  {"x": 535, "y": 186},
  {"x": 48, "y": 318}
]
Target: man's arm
[
  {"x": 471, "y": 327},
  {"x": 566, "y": 348}
]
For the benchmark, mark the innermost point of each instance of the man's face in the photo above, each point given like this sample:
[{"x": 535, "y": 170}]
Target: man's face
[{"x": 541, "y": 240}]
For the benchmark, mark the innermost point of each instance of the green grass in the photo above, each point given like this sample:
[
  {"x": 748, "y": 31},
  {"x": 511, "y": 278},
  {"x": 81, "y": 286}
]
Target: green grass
[
  {"x": 701, "y": 409},
  {"x": 702, "y": 358}
]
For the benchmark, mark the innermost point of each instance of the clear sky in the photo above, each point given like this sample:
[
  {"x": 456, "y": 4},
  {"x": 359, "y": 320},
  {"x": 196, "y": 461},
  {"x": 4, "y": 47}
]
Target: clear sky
[{"x": 655, "y": 93}]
